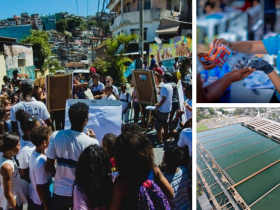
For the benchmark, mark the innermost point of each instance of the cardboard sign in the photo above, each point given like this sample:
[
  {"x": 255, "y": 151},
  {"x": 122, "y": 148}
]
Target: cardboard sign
[
  {"x": 59, "y": 89},
  {"x": 145, "y": 86}
]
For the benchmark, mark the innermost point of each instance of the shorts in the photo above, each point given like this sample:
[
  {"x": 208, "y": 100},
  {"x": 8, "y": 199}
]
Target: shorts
[{"x": 161, "y": 120}]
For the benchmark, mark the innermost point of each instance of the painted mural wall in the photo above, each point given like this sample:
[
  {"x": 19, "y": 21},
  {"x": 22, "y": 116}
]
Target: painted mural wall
[{"x": 15, "y": 52}]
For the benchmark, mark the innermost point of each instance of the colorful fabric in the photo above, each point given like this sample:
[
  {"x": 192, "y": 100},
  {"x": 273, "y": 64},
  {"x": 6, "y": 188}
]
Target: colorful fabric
[{"x": 151, "y": 197}]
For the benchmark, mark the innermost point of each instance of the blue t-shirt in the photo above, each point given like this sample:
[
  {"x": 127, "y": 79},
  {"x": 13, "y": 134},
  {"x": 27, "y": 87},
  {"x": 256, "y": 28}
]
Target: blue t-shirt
[{"x": 272, "y": 45}]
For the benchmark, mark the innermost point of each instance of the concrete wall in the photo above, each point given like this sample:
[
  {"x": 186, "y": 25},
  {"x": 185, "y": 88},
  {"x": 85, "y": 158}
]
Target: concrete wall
[{"x": 15, "y": 52}]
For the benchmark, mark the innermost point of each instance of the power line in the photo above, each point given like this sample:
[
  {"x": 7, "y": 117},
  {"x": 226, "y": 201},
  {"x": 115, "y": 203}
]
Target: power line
[{"x": 77, "y": 7}]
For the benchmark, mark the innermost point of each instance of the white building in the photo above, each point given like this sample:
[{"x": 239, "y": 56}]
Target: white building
[
  {"x": 229, "y": 110},
  {"x": 127, "y": 16},
  {"x": 218, "y": 112}
]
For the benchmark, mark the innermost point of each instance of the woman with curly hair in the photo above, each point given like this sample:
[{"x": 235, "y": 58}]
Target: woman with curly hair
[
  {"x": 135, "y": 160},
  {"x": 93, "y": 185}
]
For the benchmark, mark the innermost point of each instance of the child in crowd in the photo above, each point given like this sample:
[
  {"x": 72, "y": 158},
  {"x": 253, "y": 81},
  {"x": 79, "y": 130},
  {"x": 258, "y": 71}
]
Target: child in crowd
[
  {"x": 11, "y": 194},
  {"x": 109, "y": 95},
  {"x": 108, "y": 142},
  {"x": 125, "y": 99},
  {"x": 3, "y": 123},
  {"x": 93, "y": 184},
  {"x": 40, "y": 180},
  {"x": 27, "y": 122},
  {"x": 135, "y": 160},
  {"x": 178, "y": 177}
]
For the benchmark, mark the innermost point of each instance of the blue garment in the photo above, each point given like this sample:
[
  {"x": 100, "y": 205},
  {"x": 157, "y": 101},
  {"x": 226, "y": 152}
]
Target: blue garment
[
  {"x": 129, "y": 69},
  {"x": 153, "y": 62},
  {"x": 272, "y": 45}
]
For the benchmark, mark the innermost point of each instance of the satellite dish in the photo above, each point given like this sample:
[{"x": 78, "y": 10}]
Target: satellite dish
[{"x": 158, "y": 40}]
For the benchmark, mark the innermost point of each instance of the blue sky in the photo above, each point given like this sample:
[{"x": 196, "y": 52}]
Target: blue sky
[{"x": 9, "y": 8}]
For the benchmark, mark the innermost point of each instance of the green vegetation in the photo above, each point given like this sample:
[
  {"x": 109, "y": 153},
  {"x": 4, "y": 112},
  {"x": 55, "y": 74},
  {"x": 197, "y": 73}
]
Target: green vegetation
[
  {"x": 115, "y": 63},
  {"x": 201, "y": 128},
  {"x": 41, "y": 48}
]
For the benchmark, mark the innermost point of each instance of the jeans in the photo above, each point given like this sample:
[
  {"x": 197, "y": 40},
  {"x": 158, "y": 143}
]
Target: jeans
[
  {"x": 62, "y": 202},
  {"x": 125, "y": 116}
]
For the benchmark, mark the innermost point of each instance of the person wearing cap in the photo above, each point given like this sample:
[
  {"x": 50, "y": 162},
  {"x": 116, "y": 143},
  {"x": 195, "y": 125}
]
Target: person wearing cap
[
  {"x": 161, "y": 66},
  {"x": 164, "y": 107},
  {"x": 29, "y": 105},
  {"x": 158, "y": 74},
  {"x": 97, "y": 88}
]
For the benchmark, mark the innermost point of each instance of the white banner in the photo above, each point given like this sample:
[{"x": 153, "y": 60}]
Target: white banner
[{"x": 105, "y": 116}]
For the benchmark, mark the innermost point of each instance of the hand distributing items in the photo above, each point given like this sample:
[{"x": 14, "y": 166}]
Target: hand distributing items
[
  {"x": 261, "y": 65},
  {"x": 219, "y": 55}
]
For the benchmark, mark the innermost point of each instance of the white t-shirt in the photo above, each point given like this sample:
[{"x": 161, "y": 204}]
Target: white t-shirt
[
  {"x": 125, "y": 100},
  {"x": 163, "y": 68},
  {"x": 189, "y": 113},
  {"x": 158, "y": 88},
  {"x": 177, "y": 64},
  {"x": 115, "y": 90},
  {"x": 186, "y": 139},
  {"x": 35, "y": 108},
  {"x": 166, "y": 91},
  {"x": 37, "y": 175},
  {"x": 23, "y": 157},
  {"x": 110, "y": 97},
  {"x": 66, "y": 146}
]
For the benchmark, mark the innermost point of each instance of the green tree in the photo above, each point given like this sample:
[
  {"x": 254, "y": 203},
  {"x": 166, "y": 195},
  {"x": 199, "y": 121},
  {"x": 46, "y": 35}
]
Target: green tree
[
  {"x": 61, "y": 26},
  {"x": 211, "y": 110},
  {"x": 72, "y": 23},
  {"x": 114, "y": 64},
  {"x": 41, "y": 47}
]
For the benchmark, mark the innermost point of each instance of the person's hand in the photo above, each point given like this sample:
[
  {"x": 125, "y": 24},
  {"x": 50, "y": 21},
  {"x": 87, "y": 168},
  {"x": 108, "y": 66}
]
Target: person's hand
[
  {"x": 217, "y": 42},
  {"x": 90, "y": 133},
  {"x": 237, "y": 75},
  {"x": 263, "y": 66},
  {"x": 157, "y": 106},
  {"x": 207, "y": 65}
]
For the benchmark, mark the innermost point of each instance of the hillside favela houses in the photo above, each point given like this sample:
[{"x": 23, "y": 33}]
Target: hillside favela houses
[
  {"x": 165, "y": 19},
  {"x": 16, "y": 56}
]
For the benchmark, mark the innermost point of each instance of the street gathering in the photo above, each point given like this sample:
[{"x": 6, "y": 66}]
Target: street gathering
[{"x": 50, "y": 162}]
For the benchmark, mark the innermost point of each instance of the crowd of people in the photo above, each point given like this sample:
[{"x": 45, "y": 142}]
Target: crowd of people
[{"x": 49, "y": 167}]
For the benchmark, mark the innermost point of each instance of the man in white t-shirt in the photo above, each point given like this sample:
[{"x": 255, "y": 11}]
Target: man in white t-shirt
[
  {"x": 35, "y": 108},
  {"x": 185, "y": 143},
  {"x": 41, "y": 180},
  {"x": 65, "y": 147},
  {"x": 164, "y": 107},
  {"x": 125, "y": 99}
]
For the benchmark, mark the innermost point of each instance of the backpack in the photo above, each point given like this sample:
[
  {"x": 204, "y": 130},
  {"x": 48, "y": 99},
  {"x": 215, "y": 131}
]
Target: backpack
[{"x": 151, "y": 197}]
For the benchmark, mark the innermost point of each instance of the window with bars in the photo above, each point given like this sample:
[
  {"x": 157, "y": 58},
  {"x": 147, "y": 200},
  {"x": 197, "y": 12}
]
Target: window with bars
[
  {"x": 147, "y": 4},
  {"x": 21, "y": 62},
  {"x": 136, "y": 31},
  {"x": 168, "y": 5}
]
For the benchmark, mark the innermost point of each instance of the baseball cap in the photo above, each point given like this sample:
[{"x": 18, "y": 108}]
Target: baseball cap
[
  {"x": 158, "y": 71},
  {"x": 93, "y": 70},
  {"x": 27, "y": 83}
]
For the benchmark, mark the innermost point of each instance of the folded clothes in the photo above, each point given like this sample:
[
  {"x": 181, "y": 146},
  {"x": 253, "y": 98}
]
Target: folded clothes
[{"x": 258, "y": 80}]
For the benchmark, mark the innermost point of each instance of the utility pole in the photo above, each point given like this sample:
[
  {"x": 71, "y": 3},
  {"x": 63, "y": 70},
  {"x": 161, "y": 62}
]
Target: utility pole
[{"x": 141, "y": 25}]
